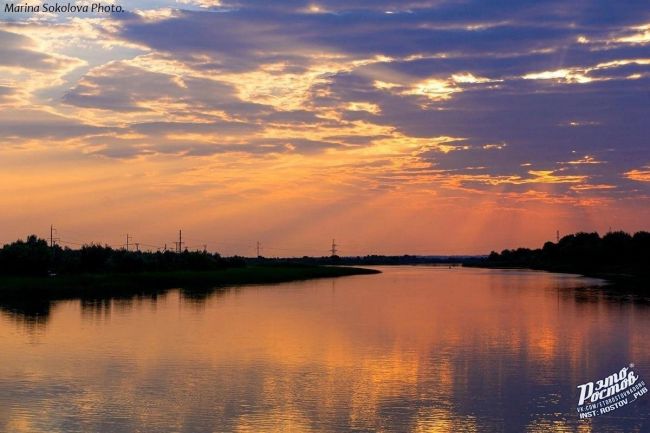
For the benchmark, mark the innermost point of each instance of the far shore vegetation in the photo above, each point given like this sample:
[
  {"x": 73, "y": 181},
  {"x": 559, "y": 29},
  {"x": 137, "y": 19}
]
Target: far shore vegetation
[
  {"x": 617, "y": 256},
  {"x": 32, "y": 268}
]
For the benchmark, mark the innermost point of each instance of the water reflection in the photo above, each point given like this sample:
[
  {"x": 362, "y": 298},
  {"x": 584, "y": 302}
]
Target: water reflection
[
  {"x": 38, "y": 311},
  {"x": 32, "y": 313},
  {"x": 411, "y": 350}
]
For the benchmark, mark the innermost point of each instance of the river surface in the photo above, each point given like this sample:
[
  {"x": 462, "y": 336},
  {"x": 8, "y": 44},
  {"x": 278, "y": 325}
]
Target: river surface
[{"x": 414, "y": 349}]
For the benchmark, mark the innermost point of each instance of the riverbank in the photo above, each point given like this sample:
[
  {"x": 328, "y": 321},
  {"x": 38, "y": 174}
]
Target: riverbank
[
  {"x": 614, "y": 279},
  {"x": 120, "y": 284},
  {"x": 618, "y": 257}
]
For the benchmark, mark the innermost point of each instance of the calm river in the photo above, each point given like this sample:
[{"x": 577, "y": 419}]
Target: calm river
[{"x": 414, "y": 349}]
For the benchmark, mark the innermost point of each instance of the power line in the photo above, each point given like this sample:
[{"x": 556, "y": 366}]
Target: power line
[
  {"x": 183, "y": 243},
  {"x": 63, "y": 241}
]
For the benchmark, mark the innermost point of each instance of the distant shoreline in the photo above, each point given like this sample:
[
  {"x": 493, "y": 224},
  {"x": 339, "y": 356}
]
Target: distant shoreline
[
  {"x": 612, "y": 278},
  {"x": 121, "y": 284},
  {"x": 620, "y": 258}
]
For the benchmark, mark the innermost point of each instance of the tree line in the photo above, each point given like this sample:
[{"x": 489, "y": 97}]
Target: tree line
[
  {"x": 588, "y": 253},
  {"x": 34, "y": 257}
]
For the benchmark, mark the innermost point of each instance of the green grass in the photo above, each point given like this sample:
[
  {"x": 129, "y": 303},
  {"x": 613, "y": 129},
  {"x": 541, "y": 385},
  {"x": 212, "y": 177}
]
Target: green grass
[{"x": 90, "y": 285}]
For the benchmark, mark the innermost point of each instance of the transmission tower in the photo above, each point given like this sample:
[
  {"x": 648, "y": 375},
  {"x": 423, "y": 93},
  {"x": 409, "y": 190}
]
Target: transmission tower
[
  {"x": 333, "y": 249},
  {"x": 179, "y": 242}
]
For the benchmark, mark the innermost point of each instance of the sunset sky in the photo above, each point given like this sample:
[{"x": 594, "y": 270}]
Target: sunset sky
[{"x": 440, "y": 127}]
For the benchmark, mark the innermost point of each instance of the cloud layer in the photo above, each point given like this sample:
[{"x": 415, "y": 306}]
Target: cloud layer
[{"x": 511, "y": 105}]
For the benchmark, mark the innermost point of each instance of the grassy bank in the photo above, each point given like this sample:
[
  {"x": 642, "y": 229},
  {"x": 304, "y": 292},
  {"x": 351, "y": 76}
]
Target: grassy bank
[{"x": 97, "y": 285}]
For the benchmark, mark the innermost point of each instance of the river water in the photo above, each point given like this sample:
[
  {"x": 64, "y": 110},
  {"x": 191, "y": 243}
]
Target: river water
[{"x": 414, "y": 349}]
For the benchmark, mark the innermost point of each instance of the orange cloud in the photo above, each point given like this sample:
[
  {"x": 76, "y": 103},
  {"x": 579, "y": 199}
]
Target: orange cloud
[{"x": 640, "y": 175}]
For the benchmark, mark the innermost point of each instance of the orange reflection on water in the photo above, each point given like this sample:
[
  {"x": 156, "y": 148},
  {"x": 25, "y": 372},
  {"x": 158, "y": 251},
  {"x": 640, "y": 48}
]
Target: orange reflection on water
[{"x": 413, "y": 349}]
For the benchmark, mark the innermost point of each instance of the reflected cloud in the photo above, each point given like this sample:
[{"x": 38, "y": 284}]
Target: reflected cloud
[{"x": 304, "y": 357}]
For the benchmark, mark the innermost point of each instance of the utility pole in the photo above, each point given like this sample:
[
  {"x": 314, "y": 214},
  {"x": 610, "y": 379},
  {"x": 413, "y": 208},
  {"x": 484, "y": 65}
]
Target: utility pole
[
  {"x": 557, "y": 235},
  {"x": 179, "y": 243},
  {"x": 52, "y": 238},
  {"x": 137, "y": 246},
  {"x": 333, "y": 250},
  {"x": 205, "y": 248},
  {"x": 128, "y": 238},
  {"x": 258, "y": 249}
]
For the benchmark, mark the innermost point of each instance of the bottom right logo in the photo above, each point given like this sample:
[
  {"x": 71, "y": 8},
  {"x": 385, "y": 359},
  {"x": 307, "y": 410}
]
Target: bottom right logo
[{"x": 613, "y": 392}]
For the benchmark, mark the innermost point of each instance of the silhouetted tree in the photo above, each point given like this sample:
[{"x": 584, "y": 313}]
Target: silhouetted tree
[
  {"x": 35, "y": 257},
  {"x": 616, "y": 252},
  {"x": 30, "y": 257}
]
